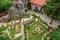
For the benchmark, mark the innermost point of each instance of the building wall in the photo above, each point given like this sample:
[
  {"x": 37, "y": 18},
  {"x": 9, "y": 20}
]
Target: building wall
[
  {"x": 33, "y": 6},
  {"x": 24, "y": 0}
]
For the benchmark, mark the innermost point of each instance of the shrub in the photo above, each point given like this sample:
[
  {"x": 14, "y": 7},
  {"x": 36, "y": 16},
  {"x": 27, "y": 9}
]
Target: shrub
[
  {"x": 5, "y": 5},
  {"x": 55, "y": 35},
  {"x": 18, "y": 38},
  {"x": 9, "y": 19},
  {"x": 58, "y": 26},
  {"x": 4, "y": 38},
  {"x": 34, "y": 15},
  {"x": 36, "y": 10},
  {"x": 2, "y": 28}
]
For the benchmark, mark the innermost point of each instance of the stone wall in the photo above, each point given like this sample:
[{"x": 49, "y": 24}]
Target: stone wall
[
  {"x": 4, "y": 18},
  {"x": 16, "y": 9}
]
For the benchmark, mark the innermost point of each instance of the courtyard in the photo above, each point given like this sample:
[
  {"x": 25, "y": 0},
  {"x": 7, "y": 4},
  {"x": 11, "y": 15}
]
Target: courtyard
[{"x": 34, "y": 30}]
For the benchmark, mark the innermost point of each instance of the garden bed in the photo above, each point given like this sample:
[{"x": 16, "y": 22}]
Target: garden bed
[
  {"x": 12, "y": 28},
  {"x": 18, "y": 38},
  {"x": 35, "y": 30}
]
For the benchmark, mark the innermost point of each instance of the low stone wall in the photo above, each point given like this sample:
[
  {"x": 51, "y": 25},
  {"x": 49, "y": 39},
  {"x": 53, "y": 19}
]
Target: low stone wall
[{"x": 4, "y": 17}]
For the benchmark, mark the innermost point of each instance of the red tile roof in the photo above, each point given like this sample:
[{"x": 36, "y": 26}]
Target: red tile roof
[{"x": 38, "y": 2}]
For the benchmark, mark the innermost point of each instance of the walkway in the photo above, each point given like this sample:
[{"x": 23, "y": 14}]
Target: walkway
[
  {"x": 46, "y": 18},
  {"x": 23, "y": 21}
]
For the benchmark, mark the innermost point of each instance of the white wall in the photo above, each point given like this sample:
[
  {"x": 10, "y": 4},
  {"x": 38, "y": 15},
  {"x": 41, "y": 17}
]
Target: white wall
[{"x": 33, "y": 6}]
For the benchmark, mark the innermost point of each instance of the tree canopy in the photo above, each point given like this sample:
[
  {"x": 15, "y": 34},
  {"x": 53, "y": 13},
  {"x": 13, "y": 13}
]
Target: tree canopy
[
  {"x": 4, "y": 38},
  {"x": 5, "y": 5},
  {"x": 52, "y": 8},
  {"x": 55, "y": 35}
]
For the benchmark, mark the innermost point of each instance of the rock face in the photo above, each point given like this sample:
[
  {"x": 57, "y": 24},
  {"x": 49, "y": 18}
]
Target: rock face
[{"x": 17, "y": 9}]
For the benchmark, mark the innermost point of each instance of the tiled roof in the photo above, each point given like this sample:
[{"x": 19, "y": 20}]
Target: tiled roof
[{"x": 38, "y": 2}]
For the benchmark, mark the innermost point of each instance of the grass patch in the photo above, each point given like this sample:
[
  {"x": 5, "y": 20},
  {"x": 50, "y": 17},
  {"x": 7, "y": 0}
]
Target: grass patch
[
  {"x": 18, "y": 38},
  {"x": 31, "y": 28},
  {"x": 15, "y": 29}
]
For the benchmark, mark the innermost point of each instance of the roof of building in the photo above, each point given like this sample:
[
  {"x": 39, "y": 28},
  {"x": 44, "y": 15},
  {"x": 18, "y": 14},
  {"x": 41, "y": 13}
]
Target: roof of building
[{"x": 38, "y": 2}]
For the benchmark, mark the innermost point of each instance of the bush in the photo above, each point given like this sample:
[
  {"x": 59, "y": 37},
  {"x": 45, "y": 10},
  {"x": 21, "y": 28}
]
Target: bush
[
  {"x": 18, "y": 38},
  {"x": 4, "y": 38},
  {"x": 2, "y": 28},
  {"x": 36, "y": 10},
  {"x": 34, "y": 15},
  {"x": 9, "y": 19},
  {"x": 58, "y": 26},
  {"x": 55, "y": 35},
  {"x": 5, "y": 5}
]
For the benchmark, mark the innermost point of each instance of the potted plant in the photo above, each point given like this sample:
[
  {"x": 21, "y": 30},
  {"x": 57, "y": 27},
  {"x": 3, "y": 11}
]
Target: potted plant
[{"x": 4, "y": 6}]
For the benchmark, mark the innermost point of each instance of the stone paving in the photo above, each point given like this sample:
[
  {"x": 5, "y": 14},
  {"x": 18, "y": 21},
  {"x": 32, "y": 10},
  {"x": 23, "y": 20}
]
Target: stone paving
[
  {"x": 44, "y": 17},
  {"x": 24, "y": 21}
]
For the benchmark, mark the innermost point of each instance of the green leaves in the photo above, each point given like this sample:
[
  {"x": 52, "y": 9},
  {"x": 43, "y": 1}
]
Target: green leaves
[
  {"x": 2, "y": 29},
  {"x": 4, "y": 38},
  {"x": 55, "y": 35},
  {"x": 52, "y": 8},
  {"x": 5, "y": 5}
]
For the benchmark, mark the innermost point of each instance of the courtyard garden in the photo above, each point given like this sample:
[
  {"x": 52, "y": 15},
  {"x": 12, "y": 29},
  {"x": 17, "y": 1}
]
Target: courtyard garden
[
  {"x": 11, "y": 28},
  {"x": 17, "y": 23},
  {"x": 34, "y": 30},
  {"x": 15, "y": 27}
]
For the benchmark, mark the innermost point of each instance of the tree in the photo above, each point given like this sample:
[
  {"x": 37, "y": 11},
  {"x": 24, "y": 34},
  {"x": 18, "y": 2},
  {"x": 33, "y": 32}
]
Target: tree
[
  {"x": 55, "y": 35},
  {"x": 5, "y": 5},
  {"x": 52, "y": 8}
]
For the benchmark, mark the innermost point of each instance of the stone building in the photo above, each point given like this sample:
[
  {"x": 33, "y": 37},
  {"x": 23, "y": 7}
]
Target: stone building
[
  {"x": 27, "y": 4},
  {"x": 17, "y": 9},
  {"x": 37, "y": 4},
  {"x": 33, "y": 4}
]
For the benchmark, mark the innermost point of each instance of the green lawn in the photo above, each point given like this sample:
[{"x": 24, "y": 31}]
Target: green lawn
[
  {"x": 15, "y": 29},
  {"x": 31, "y": 27},
  {"x": 4, "y": 36},
  {"x": 18, "y": 38}
]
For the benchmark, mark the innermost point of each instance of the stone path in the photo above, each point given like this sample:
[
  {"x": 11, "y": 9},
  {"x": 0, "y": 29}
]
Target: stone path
[
  {"x": 46, "y": 34},
  {"x": 23, "y": 21},
  {"x": 46, "y": 18}
]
